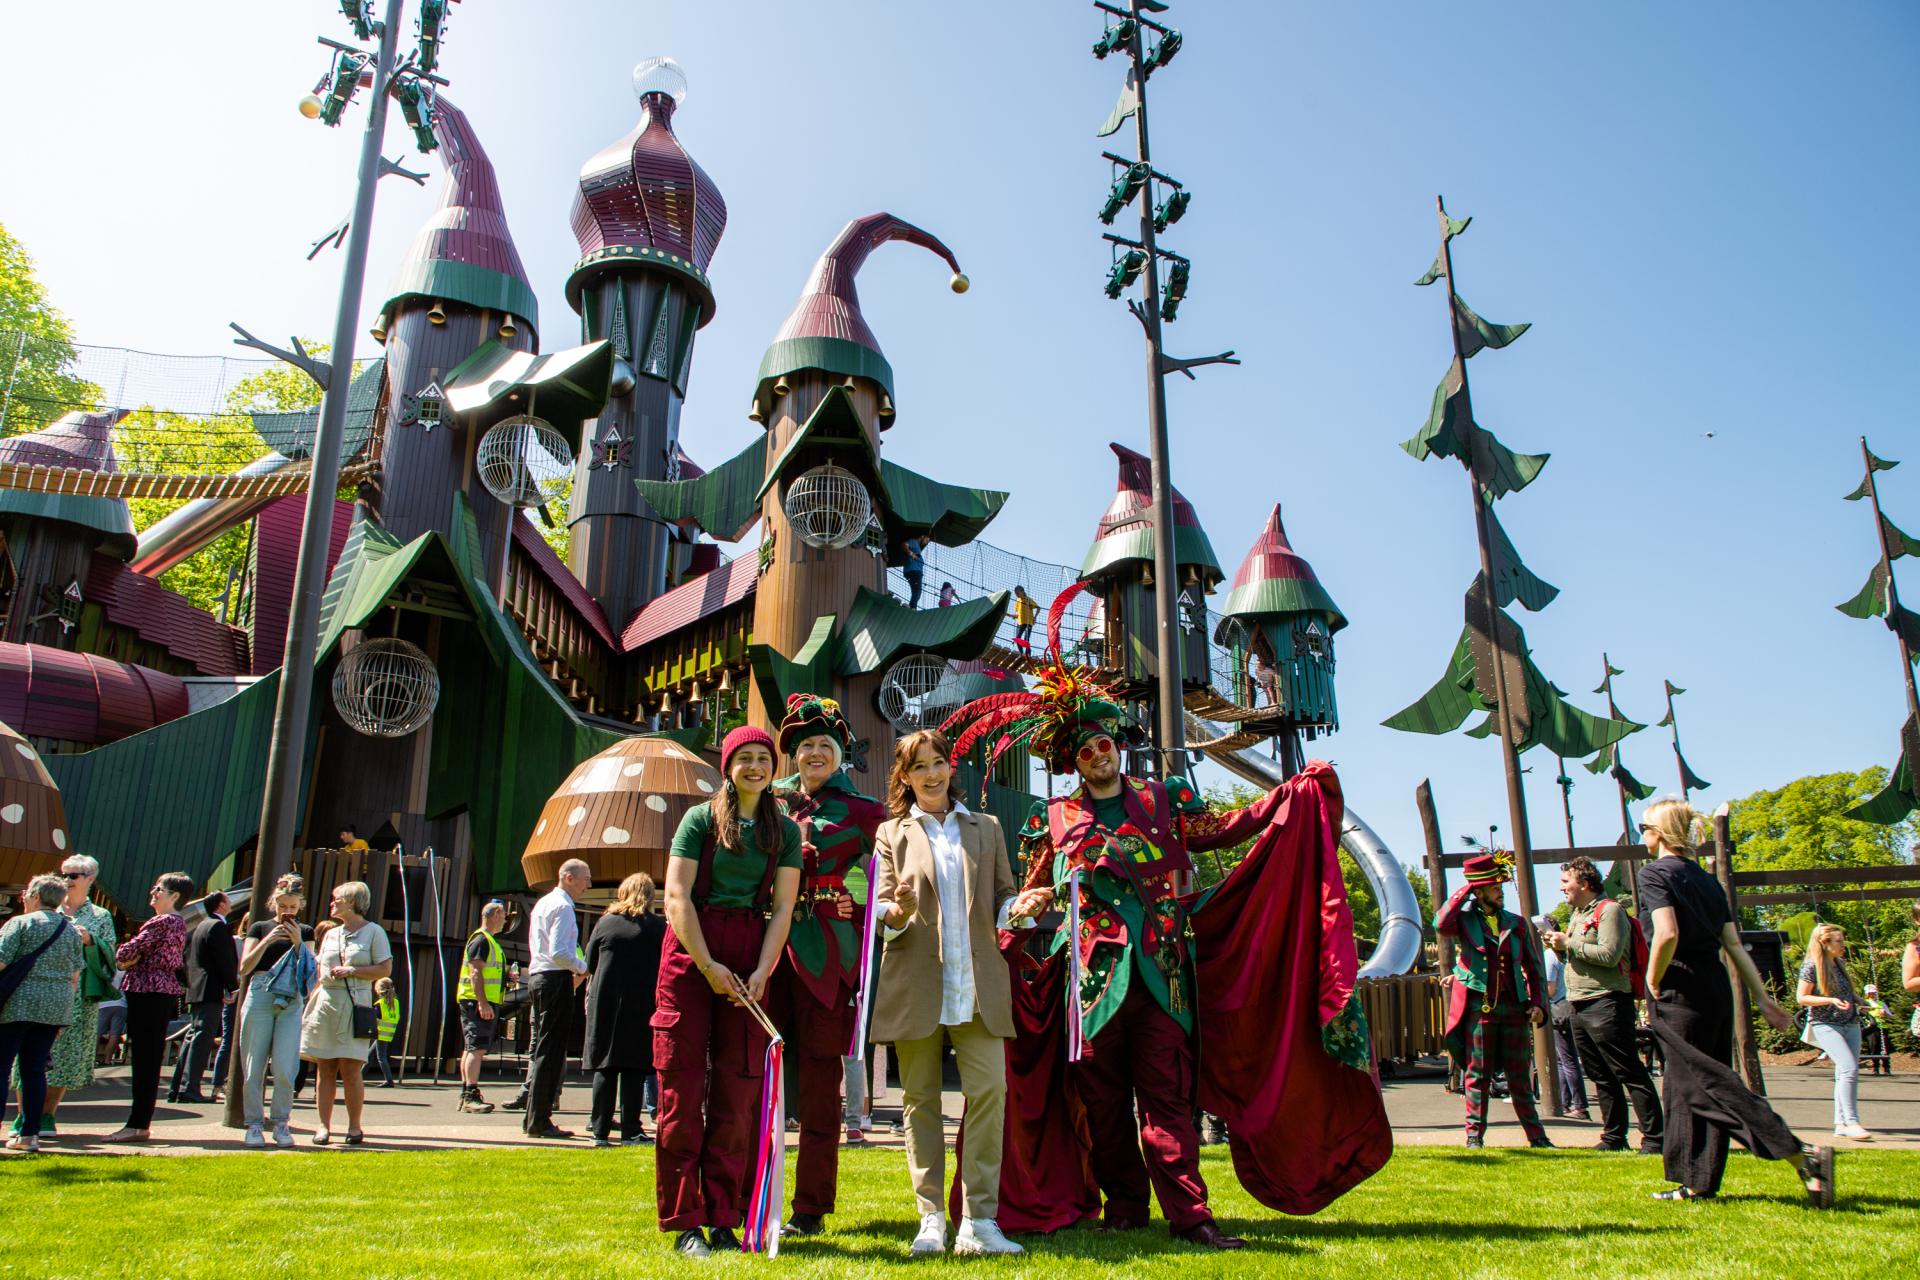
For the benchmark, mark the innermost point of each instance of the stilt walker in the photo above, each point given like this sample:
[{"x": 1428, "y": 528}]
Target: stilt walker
[
  {"x": 731, "y": 883},
  {"x": 811, "y": 996},
  {"x": 1499, "y": 992}
]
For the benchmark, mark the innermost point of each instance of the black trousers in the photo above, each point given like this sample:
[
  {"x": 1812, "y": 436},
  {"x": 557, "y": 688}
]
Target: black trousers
[
  {"x": 1603, "y": 1032},
  {"x": 627, "y": 1082},
  {"x": 202, "y": 1030},
  {"x": 1706, "y": 1102},
  {"x": 147, "y": 1019},
  {"x": 551, "y": 1000}
]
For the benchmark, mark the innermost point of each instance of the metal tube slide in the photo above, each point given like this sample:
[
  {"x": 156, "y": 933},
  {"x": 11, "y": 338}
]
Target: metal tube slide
[
  {"x": 1398, "y": 948},
  {"x": 191, "y": 526}
]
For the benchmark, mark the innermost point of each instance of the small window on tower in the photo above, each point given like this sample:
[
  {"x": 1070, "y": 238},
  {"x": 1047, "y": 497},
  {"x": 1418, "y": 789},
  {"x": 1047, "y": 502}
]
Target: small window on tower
[
  {"x": 1313, "y": 639},
  {"x": 430, "y": 400}
]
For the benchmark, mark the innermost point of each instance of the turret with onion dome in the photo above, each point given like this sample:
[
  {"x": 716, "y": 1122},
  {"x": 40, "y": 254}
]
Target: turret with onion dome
[
  {"x": 1278, "y": 623},
  {"x": 1118, "y": 570},
  {"x": 648, "y": 220}
]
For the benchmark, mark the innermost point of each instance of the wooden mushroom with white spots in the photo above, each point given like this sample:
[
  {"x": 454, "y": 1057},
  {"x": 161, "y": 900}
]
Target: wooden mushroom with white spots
[
  {"x": 618, "y": 811},
  {"x": 33, "y": 822}
]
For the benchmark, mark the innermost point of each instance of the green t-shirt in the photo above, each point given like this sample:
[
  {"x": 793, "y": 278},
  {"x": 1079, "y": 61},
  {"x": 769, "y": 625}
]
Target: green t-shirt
[
  {"x": 736, "y": 873},
  {"x": 1111, "y": 812}
]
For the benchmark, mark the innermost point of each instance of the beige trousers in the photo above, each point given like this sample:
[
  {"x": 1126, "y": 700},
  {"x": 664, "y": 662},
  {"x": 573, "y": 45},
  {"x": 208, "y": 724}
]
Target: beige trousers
[{"x": 982, "y": 1057}]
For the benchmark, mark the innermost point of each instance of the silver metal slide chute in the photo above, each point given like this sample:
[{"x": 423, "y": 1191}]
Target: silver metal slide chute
[
  {"x": 191, "y": 526},
  {"x": 1398, "y": 948}
]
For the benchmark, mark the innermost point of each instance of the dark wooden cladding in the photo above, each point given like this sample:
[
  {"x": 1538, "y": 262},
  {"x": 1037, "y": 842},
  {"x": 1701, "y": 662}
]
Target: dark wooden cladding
[
  {"x": 806, "y": 582},
  {"x": 573, "y": 656},
  {"x": 47, "y": 555},
  {"x": 619, "y": 546},
  {"x": 422, "y": 468}
]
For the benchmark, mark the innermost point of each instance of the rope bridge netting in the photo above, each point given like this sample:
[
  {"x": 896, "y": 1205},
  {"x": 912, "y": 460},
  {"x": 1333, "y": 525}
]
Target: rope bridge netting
[{"x": 189, "y": 422}]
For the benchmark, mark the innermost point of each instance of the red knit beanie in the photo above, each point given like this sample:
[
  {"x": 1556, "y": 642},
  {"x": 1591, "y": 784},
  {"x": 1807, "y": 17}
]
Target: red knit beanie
[{"x": 746, "y": 735}]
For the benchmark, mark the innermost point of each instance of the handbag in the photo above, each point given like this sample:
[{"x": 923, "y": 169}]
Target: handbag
[
  {"x": 365, "y": 1018},
  {"x": 16, "y": 973}
]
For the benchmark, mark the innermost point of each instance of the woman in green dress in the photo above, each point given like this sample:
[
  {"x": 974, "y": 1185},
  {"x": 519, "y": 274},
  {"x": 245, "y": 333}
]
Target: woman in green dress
[{"x": 74, "y": 1051}]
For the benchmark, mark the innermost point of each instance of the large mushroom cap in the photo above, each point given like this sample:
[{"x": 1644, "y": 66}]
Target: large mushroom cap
[
  {"x": 33, "y": 821},
  {"x": 618, "y": 811}
]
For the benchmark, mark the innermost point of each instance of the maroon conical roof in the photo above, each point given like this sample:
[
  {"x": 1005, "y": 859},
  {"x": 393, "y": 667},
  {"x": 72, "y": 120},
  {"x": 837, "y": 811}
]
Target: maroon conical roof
[
  {"x": 465, "y": 251},
  {"x": 826, "y": 330},
  {"x": 1125, "y": 531},
  {"x": 1276, "y": 579},
  {"x": 644, "y": 200}
]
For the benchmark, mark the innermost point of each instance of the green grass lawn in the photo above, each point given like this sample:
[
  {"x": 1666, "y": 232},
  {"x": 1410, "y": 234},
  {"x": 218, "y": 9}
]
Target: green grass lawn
[{"x": 554, "y": 1214}]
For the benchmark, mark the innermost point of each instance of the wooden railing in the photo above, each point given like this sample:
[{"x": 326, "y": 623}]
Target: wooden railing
[{"x": 1406, "y": 1016}]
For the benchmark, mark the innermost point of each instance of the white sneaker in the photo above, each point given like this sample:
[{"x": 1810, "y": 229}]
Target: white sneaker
[
  {"x": 1853, "y": 1131},
  {"x": 282, "y": 1136},
  {"x": 982, "y": 1235},
  {"x": 933, "y": 1235},
  {"x": 255, "y": 1138},
  {"x": 320, "y": 1136}
]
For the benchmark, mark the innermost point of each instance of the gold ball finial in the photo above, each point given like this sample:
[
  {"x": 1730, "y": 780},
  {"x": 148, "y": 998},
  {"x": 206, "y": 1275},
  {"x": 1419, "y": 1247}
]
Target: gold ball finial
[
  {"x": 310, "y": 106},
  {"x": 959, "y": 283}
]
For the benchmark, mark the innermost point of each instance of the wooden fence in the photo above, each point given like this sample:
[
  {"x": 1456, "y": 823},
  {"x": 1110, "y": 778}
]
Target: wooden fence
[{"x": 1406, "y": 1016}]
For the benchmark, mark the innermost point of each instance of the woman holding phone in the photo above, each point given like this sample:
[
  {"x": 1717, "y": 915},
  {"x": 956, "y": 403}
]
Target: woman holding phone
[{"x": 276, "y": 983}]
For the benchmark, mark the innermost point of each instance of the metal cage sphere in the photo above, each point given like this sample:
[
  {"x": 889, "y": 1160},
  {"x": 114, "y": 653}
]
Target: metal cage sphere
[
  {"x": 386, "y": 688},
  {"x": 521, "y": 459},
  {"x": 910, "y": 692},
  {"x": 828, "y": 507}
]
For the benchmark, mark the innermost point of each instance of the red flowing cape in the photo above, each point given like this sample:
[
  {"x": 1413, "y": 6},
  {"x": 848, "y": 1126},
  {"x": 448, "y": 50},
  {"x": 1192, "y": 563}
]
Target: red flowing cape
[{"x": 1275, "y": 963}]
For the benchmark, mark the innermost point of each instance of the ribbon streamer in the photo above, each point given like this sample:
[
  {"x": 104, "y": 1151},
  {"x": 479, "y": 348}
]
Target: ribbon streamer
[
  {"x": 769, "y": 1192},
  {"x": 862, "y": 1009},
  {"x": 1075, "y": 1044}
]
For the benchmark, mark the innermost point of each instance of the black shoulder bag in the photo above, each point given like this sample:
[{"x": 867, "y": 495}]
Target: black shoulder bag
[{"x": 16, "y": 973}]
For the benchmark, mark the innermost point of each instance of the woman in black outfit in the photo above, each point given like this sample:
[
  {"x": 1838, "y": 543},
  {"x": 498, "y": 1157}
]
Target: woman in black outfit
[
  {"x": 623, "y": 959},
  {"x": 1692, "y": 1014}
]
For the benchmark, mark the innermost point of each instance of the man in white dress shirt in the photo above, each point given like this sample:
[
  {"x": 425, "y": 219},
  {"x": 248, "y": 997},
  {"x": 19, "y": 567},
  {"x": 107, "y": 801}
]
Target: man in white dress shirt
[{"x": 555, "y": 971}]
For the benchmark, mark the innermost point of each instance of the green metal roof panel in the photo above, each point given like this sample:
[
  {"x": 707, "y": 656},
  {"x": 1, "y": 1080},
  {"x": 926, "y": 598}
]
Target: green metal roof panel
[
  {"x": 1283, "y": 595},
  {"x": 1190, "y": 547},
  {"x": 564, "y": 387},
  {"x": 475, "y": 285},
  {"x": 952, "y": 515},
  {"x": 834, "y": 425},
  {"x": 724, "y": 503},
  {"x": 879, "y": 629},
  {"x": 108, "y": 517},
  {"x": 292, "y": 433},
  {"x": 834, "y": 355}
]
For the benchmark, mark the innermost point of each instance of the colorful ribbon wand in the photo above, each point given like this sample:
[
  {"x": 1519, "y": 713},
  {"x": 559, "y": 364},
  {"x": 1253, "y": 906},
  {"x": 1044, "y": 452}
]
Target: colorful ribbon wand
[
  {"x": 1075, "y": 1044},
  {"x": 869, "y": 943},
  {"x": 769, "y": 1192}
]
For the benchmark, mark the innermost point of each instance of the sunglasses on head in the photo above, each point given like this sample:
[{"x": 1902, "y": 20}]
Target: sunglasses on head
[{"x": 1099, "y": 746}]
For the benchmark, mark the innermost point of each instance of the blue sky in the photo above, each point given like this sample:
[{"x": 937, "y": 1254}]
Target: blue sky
[{"x": 1704, "y": 209}]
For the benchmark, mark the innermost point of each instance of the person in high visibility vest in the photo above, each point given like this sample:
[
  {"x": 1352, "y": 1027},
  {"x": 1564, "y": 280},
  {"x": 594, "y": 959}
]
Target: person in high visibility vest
[
  {"x": 386, "y": 1021},
  {"x": 482, "y": 987}
]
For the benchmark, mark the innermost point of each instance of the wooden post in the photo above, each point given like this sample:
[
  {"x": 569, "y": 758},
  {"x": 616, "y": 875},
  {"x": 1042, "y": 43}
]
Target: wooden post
[
  {"x": 1743, "y": 1043},
  {"x": 1436, "y": 874}
]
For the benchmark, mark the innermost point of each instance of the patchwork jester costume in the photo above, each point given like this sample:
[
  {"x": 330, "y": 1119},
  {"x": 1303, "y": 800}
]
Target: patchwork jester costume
[
  {"x": 810, "y": 998},
  {"x": 1499, "y": 979},
  {"x": 1259, "y": 971}
]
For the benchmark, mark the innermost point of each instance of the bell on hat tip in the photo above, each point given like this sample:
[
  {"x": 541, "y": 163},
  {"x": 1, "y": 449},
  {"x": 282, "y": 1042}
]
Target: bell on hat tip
[
  {"x": 780, "y": 387},
  {"x": 436, "y": 315},
  {"x": 507, "y": 329},
  {"x": 310, "y": 106},
  {"x": 959, "y": 283}
]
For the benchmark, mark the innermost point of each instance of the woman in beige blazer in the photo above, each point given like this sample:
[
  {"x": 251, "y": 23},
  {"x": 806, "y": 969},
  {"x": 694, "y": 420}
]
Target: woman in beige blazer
[{"x": 943, "y": 888}]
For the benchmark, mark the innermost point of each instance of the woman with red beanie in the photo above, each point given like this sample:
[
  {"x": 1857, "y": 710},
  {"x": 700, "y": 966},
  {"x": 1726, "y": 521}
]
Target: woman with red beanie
[{"x": 731, "y": 883}]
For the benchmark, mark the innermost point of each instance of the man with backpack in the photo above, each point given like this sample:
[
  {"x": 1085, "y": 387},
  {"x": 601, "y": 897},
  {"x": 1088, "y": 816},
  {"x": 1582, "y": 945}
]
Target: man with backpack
[{"x": 1606, "y": 955}]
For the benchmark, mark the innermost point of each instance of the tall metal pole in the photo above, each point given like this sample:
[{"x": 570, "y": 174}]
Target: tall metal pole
[
  {"x": 1170, "y": 707},
  {"x": 1566, "y": 798},
  {"x": 1893, "y": 593},
  {"x": 287, "y": 751},
  {"x": 1545, "y": 1059}
]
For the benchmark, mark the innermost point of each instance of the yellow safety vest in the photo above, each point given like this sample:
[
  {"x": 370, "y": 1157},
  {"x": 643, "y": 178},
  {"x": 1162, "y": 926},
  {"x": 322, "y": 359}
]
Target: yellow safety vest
[
  {"x": 387, "y": 1019},
  {"x": 493, "y": 970}
]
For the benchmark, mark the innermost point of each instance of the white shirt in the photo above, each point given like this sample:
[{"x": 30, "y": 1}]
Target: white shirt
[
  {"x": 957, "y": 996},
  {"x": 555, "y": 939}
]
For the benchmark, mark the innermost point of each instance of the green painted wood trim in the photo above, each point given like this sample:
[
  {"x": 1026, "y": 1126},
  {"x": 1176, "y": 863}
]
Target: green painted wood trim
[
  {"x": 475, "y": 285},
  {"x": 1190, "y": 547},
  {"x": 834, "y": 355},
  {"x": 1282, "y": 595},
  {"x": 628, "y": 257}
]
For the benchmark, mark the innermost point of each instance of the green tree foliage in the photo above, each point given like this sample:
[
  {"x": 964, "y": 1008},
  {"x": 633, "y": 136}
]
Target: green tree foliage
[
  {"x": 36, "y": 349},
  {"x": 1209, "y": 869},
  {"x": 158, "y": 441}
]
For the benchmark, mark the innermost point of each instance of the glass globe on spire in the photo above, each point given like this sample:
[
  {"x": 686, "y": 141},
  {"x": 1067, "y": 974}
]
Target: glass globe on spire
[{"x": 660, "y": 75}]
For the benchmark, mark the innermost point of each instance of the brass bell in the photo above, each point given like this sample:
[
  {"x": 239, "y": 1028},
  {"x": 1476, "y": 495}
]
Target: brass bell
[
  {"x": 1146, "y": 574},
  {"x": 753, "y": 411},
  {"x": 886, "y": 405},
  {"x": 666, "y": 702},
  {"x": 780, "y": 387},
  {"x": 435, "y": 315},
  {"x": 726, "y": 680},
  {"x": 507, "y": 329},
  {"x": 380, "y": 328}
]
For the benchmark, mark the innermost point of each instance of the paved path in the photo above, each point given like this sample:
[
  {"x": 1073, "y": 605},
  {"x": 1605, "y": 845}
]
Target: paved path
[{"x": 421, "y": 1116}]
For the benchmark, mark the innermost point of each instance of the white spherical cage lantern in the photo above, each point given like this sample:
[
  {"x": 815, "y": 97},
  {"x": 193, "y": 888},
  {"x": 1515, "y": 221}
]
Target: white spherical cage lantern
[
  {"x": 828, "y": 507},
  {"x": 910, "y": 692},
  {"x": 523, "y": 460},
  {"x": 386, "y": 688}
]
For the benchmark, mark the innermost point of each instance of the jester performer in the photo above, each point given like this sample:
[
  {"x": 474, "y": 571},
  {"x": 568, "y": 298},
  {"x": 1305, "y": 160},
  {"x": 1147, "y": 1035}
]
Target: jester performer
[
  {"x": 811, "y": 996},
  {"x": 1498, "y": 988},
  {"x": 1256, "y": 974}
]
